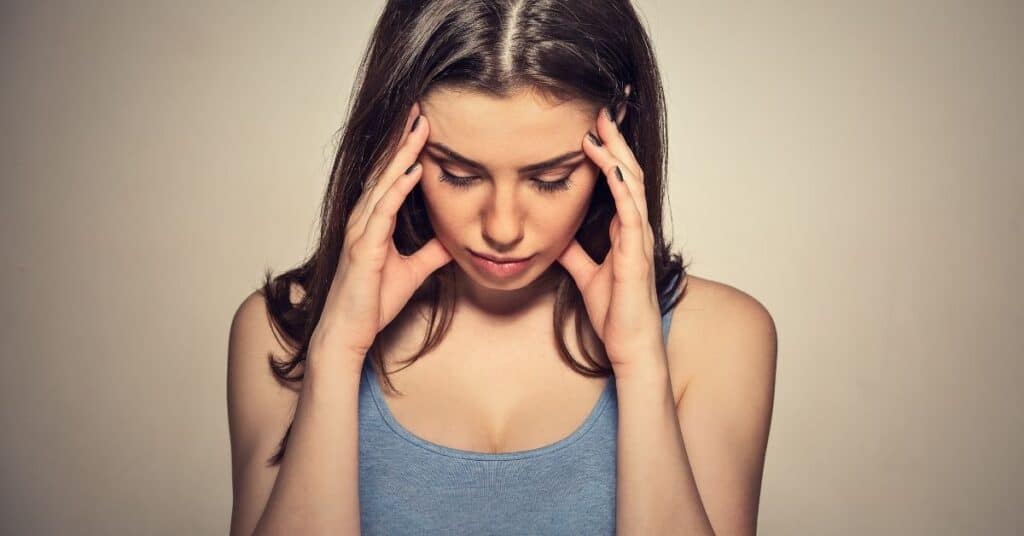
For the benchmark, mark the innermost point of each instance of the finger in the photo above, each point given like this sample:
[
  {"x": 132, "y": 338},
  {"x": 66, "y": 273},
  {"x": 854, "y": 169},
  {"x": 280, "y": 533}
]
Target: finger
[
  {"x": 615, "y": 142},
  {"x": 607, "y": 162},
  {"x": 631, "y": 222},
  {"x": 428, "y": 259},
  {"x": 578, "y": 263},
  {"x": 614, "y": 229},
  {"x": 410, "y": 121},
  {"x": 381, "y": 220},
  {"x": 372, "y": 180},
  {"x": 405, "y": 157},
  {"x": 414, "y": 112}
]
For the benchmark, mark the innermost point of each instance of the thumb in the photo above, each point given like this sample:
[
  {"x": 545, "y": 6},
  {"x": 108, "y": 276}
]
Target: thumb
[
  {"x": 578, "y": 263},
  {"x": 428, "y": 258}
]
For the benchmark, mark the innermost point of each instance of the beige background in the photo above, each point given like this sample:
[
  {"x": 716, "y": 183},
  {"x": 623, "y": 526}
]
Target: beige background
[{"x": 855, "y": 166}]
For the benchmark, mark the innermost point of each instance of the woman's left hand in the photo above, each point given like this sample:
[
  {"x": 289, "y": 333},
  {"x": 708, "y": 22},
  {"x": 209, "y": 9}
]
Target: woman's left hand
[{"x": 619, "y": 293}]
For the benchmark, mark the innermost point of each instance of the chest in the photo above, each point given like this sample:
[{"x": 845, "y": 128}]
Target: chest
[
  {"x": 493, "y": 398},
  {"x": 421, "y": 485},
  {"x": 493, "y": 393}
]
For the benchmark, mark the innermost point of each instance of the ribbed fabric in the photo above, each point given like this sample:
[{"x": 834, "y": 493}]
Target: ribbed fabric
[{"x": 408, "y": 485}]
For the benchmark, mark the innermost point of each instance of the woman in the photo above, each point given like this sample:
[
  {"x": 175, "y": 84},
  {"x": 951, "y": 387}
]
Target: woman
[{"x": 481, "y": 342}]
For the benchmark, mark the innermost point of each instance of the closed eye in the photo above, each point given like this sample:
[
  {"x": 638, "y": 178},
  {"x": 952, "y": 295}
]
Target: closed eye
[{"x": 460, "y": 181}]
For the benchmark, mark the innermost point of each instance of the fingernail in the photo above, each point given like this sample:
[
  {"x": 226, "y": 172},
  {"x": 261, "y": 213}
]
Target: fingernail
[
  {"x": 415, "y": 122},
  {"x": 593, "y": 139},
  {"x": 618, "y": 173}
]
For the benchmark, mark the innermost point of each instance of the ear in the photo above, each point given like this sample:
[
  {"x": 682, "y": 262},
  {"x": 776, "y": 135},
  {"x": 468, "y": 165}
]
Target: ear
[{"x": 620, "y": 113}]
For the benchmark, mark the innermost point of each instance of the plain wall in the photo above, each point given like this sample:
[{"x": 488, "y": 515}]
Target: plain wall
[{"x": 855, "y": 166}]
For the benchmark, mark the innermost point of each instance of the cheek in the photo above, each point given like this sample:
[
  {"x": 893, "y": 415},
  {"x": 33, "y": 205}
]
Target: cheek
[
  {"x": 561, "y": 222},
  {"x": 444, "y": 211},
  {"x": 566, "y": 222}
]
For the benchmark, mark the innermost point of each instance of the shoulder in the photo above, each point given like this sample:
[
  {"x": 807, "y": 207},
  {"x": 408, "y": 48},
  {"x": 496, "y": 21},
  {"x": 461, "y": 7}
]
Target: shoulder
[
  {"x": 259, "y": 404},
  {"x": 723, "y": 340},
  {"x": 260, "y": 408},
  {"x": 714, "y": 325},
  {"x": 251, "y": 326}
]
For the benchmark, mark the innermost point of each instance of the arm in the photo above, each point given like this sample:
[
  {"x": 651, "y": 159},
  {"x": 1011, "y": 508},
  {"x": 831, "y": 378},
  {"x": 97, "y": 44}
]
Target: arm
[
  {"x": 315, "y": 488},
  {"x": 655, "y": 490},
  {"x": 723, "y": 415}
]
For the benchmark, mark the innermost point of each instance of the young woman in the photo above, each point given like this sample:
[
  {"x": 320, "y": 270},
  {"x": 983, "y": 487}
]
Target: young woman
[{"x": 482, "y": 341}]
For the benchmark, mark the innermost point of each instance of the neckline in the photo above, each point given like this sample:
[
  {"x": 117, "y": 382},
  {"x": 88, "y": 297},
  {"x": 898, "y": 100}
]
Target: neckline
[{"x": 389, "y": 418}]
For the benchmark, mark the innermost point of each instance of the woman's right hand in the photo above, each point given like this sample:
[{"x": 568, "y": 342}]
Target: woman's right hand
[{"x": 373, "y": 281}]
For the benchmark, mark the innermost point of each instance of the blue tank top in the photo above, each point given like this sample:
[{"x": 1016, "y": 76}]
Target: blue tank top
[{"x": 408, "y": 485}]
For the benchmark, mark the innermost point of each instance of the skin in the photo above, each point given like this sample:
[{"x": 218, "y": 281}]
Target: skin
[
  {"x": 502, "y": 213},
  {"x": 709, "y": 385},
  {"x": 503, "y": 402},
  {"x": 681, "y": 403}
]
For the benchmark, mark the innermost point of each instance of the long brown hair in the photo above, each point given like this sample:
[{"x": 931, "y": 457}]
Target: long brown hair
[{"x": 566, "y": 49}]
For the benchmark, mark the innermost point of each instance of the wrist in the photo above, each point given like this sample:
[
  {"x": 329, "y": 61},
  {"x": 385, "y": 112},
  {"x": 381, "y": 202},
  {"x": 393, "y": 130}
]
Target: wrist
[
  {"x": 651, "y": 370},
  {"x": 332, "y": 359}
]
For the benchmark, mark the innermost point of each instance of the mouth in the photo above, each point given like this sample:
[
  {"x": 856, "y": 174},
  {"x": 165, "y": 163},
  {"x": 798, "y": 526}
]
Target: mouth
[
  {"x": 507, "y": 268},
  {"x": 501, "y": 260}
]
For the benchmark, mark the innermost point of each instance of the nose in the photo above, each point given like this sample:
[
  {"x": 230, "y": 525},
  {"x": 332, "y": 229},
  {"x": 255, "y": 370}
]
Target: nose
[{"x": 502, "y": 218}]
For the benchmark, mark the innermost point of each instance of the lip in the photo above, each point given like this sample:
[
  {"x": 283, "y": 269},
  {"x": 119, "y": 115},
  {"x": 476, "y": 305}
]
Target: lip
[
  {"x": 501, "y": 269},
  {"x": 501, "y": 259}
]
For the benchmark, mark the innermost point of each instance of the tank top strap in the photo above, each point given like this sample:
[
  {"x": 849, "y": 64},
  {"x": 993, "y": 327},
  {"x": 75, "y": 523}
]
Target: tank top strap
[
  {"x": 408, "y": 484},
  {"x": 666, "y": 319}
]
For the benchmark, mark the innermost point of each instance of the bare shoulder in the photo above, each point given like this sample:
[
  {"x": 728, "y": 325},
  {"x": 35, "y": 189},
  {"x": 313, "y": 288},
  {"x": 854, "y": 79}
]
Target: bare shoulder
[
  {"x": 260, "y": 408},
  {"x": 723, "y": 340},
  {"x": 259, "y": 404},
  {"x": 709, "y": 318}
]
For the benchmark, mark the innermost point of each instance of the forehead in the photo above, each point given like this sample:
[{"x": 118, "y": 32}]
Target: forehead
[{"x": 506, "y": 132}]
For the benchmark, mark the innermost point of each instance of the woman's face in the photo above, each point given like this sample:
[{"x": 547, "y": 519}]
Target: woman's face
[{"x": 506, "y": 178}]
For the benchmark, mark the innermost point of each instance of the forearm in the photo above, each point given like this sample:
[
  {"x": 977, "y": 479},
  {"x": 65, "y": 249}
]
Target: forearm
[
  {"x": 656, "y": 491},
  {"x": 316, "y": 491}
]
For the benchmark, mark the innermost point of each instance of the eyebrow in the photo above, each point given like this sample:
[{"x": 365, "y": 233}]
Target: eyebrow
[{"x": 549, "y": 163}]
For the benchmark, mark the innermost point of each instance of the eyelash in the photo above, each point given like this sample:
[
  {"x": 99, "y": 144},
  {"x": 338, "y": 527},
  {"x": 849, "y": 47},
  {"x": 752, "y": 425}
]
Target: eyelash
[{"x": 459, "y": 181}]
